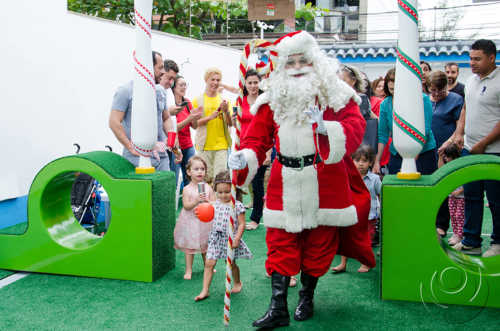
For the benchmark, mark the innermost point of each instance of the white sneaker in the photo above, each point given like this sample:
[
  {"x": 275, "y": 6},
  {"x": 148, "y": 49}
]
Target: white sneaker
[
  {"x": 454, "y": 240},
  {"x": 251, "y": 225},
  {"x": 492, "y": 251},
  {"x": 467, "y": 249}
]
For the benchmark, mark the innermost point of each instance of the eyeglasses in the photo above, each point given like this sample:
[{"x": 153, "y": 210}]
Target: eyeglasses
[{"x": 290, "y": 62}]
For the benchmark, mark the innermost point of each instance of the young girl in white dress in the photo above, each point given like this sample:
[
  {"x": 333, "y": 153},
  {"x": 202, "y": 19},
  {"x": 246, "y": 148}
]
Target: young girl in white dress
[
  {"x": 191, "y": 234},
  {"x": 217, "y": 241}
]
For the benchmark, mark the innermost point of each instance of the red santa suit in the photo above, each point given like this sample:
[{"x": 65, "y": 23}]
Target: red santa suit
[{"x": 305, "y": 207}]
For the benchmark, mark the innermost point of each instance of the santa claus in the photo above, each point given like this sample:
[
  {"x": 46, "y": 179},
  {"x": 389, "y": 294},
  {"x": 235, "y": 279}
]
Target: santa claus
[{"x": 313, "y": 120}]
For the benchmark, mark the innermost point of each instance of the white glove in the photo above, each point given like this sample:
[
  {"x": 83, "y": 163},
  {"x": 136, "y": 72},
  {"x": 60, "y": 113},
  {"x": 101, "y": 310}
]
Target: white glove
[
  {"x": 316, "y": 116},
  {"x": 237, "y": 160}
]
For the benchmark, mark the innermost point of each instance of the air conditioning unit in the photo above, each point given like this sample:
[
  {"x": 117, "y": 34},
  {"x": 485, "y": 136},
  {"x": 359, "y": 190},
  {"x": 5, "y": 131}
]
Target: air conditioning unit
[{"x": 329, "y": 24}]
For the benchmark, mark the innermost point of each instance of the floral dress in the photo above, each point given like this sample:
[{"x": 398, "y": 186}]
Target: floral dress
[
  {"x": 191, "y": 234},
  {"x": 217, "y": 241}
]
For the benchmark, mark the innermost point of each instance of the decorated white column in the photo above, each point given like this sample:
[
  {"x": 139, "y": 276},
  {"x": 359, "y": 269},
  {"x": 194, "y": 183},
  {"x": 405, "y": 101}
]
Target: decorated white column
[
  {"x": 144, "y": 129},
  {"x": 408, "y": 114}
]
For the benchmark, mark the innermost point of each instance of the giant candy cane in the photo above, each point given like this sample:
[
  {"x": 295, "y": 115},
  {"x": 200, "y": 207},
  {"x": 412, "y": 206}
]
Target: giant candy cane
[
  {"x": 230, "y": 258},
  {"x": 144, "y": 130},
  {"x": 263, "y": 70},
  {"x": 247, "y": 51},
  {"x": 408, "y": 114}
]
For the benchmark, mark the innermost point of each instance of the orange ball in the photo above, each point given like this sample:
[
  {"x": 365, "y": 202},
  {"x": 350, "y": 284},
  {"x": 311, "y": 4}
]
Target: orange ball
[{"x": 205, "y": 212}]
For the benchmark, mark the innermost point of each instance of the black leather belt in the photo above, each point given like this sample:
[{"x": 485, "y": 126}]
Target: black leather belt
[{"x": 298, "y": 162}]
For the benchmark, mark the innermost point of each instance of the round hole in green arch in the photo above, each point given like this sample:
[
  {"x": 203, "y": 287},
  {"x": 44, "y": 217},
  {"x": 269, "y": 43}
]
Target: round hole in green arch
[
  {"x": 459, "y": 177},
  {"x": 57, "y": 215},
  {"x": 87, "y": 209}
]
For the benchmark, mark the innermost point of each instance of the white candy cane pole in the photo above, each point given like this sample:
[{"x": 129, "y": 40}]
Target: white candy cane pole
[
  {"x": 408, "y": 114},
  {"x": 144, "y": 123},
  {"x": 229, "y": 260}
]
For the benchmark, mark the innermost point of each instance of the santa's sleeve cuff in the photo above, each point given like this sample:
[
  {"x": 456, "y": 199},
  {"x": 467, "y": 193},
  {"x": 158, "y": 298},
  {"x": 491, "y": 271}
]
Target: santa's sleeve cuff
[
  {"x": 336, "y": 140},
  {"x": 252, "y": 165}
]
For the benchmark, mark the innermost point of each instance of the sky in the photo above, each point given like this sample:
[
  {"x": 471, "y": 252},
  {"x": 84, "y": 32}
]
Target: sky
[{"x": 479, "y": 20}]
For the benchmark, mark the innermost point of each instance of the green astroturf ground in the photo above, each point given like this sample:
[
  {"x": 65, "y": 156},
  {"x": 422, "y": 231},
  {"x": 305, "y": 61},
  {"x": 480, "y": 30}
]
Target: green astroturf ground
[{"x": 348, "y": 301}]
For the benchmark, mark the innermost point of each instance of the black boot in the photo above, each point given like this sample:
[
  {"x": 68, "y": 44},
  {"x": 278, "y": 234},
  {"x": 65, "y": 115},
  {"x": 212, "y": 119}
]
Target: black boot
[
  {"x": 305, "y": 307},
  {"x": 277, "y": 314}
]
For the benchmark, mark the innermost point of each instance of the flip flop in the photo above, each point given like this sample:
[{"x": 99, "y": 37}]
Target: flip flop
[{"x": 338, "y": 271}]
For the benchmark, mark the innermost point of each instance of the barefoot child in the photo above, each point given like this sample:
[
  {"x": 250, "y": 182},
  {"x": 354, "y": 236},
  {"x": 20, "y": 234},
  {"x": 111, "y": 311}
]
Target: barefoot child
[
  {"x": 190, "y": 234},
  {"x": 364, "y": 158},
  {"x": 217, "y": 242}
]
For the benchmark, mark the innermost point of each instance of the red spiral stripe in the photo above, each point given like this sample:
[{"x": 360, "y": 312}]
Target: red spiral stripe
[
  {"x": 151, "y": 76},
  {"x": 146, "y": 78},
  {"x": 410, "y": 11},
  {"x": 142, "y": 18},
  {"x": 409, "y": 63},
  {"x": 415, "y": 135},
  {"x": 142, "y": 151}
]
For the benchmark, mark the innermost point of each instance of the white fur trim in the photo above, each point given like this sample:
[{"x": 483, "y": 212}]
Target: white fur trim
[
  {"x": 336, "y": 140},
  {"x": 296, "y": 140},
  {"x": 357, "y": 99},
  {"x": 300, "y": 198},
  {"x": 252, "y": 164},
  {"x": 338, "y": 94},
  {"x": 261, "y": 100},
  {"x": 329, "y": 217},
  {"x": 299, "y": 43}
]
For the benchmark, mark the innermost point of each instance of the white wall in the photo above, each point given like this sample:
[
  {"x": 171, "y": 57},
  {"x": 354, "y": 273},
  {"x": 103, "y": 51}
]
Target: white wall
[{"x": 59, "y": 71}]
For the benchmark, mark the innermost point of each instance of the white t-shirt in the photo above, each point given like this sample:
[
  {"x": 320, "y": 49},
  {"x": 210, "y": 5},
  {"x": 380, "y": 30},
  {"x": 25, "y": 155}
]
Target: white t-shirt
[
  {"x": 171, "y": 102},
  {"x": 166, "y": 99},
  {"x": 482, "y": 102}
]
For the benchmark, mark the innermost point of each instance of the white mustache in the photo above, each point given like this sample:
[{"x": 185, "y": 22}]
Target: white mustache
[{"x": 302, "y": 71}]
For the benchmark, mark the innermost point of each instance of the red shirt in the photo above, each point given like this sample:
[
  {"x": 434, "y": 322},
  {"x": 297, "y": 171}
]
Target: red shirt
[
  {"x": 386, "y": 154},
  {"x": 246, "y": 117},
  {"x": 375, "y": 103},
  {"x": 185, "y": 133}
]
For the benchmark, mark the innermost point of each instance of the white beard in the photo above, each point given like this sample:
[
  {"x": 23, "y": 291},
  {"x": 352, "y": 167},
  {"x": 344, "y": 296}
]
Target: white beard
[{"x": 291, "y": 96}]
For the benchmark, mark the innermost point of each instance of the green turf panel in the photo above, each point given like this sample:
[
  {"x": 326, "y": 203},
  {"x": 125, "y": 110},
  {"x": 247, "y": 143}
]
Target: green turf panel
[
  {"x": 5, "y": 273},
  {"x": 19, "y": 228},
  {"x": 418, "y": 267},
  {"x": 348, "y": 301},
  {"x": 137, "y": 245}
]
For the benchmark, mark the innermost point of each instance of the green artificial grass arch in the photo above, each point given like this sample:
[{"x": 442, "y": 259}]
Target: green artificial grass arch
[{"x": 139, "y": 243}]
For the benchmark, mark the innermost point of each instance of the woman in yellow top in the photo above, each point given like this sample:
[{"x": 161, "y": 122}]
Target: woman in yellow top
[{"x": 212, "y": 135}]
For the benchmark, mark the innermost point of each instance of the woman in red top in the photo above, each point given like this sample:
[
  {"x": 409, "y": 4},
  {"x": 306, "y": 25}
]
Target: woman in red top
[
  {"x": 378, "y": 95},
  {"x": 187, "y": 118},
  {"x": 251, "y": 92}
]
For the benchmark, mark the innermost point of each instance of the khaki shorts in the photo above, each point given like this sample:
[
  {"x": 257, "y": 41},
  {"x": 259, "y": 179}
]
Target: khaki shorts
[{"x": 216, "y": 162}]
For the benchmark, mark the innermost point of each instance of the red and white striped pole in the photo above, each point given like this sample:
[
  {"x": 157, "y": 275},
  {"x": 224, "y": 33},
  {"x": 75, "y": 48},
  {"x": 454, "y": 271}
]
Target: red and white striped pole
[
  {"x": 408, "y": 125},
  {"x": 229, "y": 259},
  {"x": 247, "y": 51},
  {"x": 144, "y": 126}
]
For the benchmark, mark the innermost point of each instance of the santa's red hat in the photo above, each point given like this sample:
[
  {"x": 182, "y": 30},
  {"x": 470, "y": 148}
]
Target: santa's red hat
[{"x": 298, "y": 42}]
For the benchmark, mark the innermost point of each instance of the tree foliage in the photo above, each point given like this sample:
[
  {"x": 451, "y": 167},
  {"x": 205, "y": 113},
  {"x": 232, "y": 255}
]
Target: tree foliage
[
  {"x": 173, "y": 16},
  {"x": 445, "y": 23}
]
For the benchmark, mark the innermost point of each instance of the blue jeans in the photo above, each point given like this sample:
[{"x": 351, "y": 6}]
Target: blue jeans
[
  {"x": 426, "y": 163},
  {"x": 173, "y": 167},
  {"x": 186, "y": 155},
  {"x": 474, "y": 207}
]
